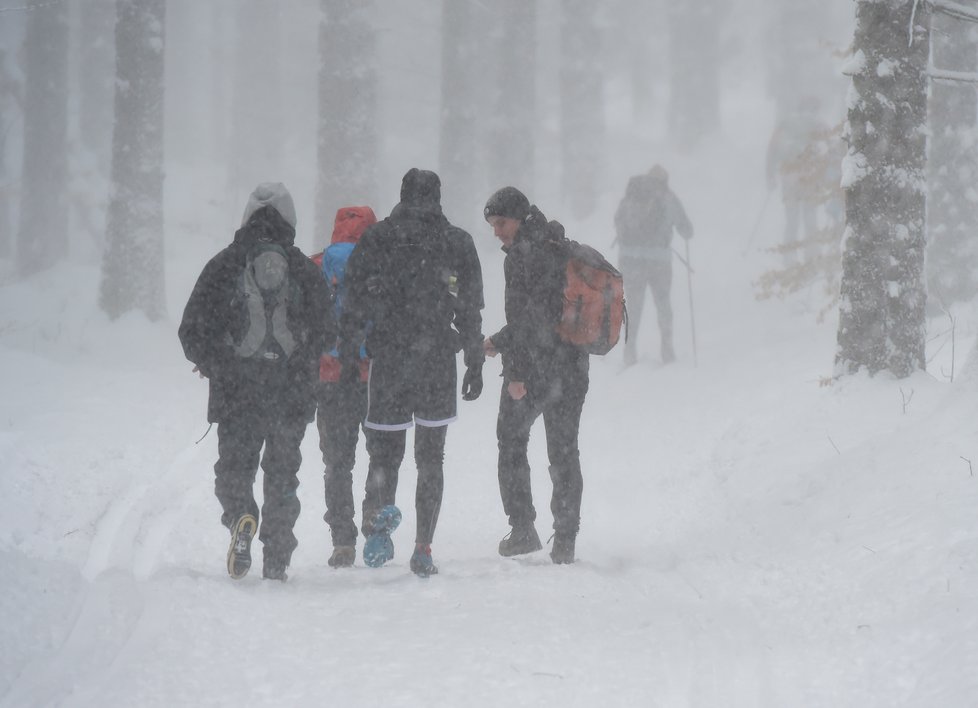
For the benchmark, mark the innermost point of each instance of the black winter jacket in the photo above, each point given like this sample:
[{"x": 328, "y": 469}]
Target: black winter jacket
[
  {"x": 417, "y": 279},
  {"x": 214, "y": 318},
  {"x": 535, "y": 273}
]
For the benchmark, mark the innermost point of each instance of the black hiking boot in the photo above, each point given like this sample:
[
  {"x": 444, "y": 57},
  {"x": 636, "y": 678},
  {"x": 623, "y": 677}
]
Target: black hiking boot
[
  {"x": 239, "y": 553},
  {"x": 522, "y": 539},
  {"x": 563, "y": 550},
  {"x": 343, "y": 557},
  {"x": 274, "y": 568}
]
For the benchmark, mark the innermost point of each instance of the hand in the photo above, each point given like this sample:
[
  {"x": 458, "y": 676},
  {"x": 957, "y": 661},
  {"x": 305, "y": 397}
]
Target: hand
[
  {"x": 488, "y": 347},
  {"x": 472, "y": 383},
  {"x": 516, "y": 390}
]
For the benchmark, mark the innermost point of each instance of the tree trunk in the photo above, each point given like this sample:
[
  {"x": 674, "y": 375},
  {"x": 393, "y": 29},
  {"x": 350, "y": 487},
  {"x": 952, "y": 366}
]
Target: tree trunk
[
  {"x": 347, "y": 131},
  {"x": 511, "y": 131},
  {"x": 42, "y": 237},
  {"x": 694, "y": 52},
  {"x": 461, "y": 160},
  {"x": 952, "y": 213},
  {"x": 132, "y": 266},
  {"x": 581, "y": 106},
  {"x": 94, "y": 79},
  {"x": 257, "y": 132},
  {"x": 881, "y": 313}
]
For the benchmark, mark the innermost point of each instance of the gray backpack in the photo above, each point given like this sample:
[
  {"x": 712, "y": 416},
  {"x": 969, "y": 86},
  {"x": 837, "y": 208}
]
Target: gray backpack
[{"x": 264, "y": 292}]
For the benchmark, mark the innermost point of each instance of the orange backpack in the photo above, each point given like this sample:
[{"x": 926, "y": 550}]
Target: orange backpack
[{"x": 594, "y": 301}]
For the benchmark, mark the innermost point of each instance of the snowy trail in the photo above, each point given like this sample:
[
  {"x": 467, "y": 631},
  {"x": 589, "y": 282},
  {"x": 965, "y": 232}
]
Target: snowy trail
[{"x": 645, "y": 608}]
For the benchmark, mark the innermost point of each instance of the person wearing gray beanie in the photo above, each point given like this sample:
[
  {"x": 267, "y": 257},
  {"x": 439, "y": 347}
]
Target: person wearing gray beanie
[{"x": 262, "y": 371}]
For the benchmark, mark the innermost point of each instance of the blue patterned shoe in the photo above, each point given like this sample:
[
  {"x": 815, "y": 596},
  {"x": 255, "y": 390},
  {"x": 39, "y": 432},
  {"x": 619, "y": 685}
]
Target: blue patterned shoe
[{"x": 378, "y": 548}]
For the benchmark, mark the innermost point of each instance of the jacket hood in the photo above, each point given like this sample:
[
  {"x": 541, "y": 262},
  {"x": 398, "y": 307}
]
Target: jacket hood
[
  {"x": 420, "y": 188},
  {"x": 351, "y": 222},
  {"x": 273, "y": 195}
]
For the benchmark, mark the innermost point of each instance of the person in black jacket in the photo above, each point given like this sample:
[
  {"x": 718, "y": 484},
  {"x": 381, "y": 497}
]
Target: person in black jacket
[
  {"x": 417, "y": 280},
  {"x": 254, "y": 326},
  {"x": 542, "y": 375}
]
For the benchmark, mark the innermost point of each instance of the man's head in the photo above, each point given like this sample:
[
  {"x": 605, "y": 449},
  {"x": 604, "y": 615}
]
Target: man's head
[
  {"x": 505, "y": 212},
  {"x": 658, "y": 174},
  {"x": 274, "y": 195},
  {"x": 421, "y": 188}
]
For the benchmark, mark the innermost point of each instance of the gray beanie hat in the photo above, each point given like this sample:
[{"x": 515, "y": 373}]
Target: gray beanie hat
[{"x": 275, "y": 195}]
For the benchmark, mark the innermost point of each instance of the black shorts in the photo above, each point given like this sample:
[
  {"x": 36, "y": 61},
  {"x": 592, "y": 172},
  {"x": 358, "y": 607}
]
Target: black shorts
[{"x": 409, "y": 387}]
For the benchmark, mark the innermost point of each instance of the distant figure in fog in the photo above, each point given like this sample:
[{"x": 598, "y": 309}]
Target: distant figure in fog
[
  {"x": 787, "y": 167},
  {"x": 645, "y": 220}
]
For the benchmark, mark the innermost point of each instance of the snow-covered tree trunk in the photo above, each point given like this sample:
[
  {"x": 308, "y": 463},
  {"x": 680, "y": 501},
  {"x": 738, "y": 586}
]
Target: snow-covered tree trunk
[
  {"x": 694, "y": 54},
  {"x": 461, "y": 161},
  {"x": 581, "y": 105},
  {"x": 132, "y": 265},
  {"x": 952, "y": 165},
  {"x": 42, "y": 235},
  {"x": 883, "y": 294},
  {"x": 347, "y": 131},
  {"x": 513, "y": 117}
]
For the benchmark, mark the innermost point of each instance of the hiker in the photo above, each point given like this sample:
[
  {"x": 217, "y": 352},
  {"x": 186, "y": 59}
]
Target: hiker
[
  {"x": 542, "y": 375},
  {"x": 254, "y": 326},
  {"x": 644, "y": 221},
  {"x": 787, "y": 167},
  {"x": 417, "y": 280},
  {"x": 341, "y": 407}
]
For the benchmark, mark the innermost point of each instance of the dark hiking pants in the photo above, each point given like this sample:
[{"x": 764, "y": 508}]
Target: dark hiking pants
[
  {"x": 239, "y": 443},
  {"x": 560, "y": 404},
  {"x": 386, "y": 449},
  {"x": 641, "y": 274},
  {"x": 340, "y": 412}
]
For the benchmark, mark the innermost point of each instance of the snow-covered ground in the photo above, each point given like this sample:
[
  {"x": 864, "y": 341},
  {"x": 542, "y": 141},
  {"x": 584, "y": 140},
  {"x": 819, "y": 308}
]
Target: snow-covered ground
[{"x": 750, "y": 537}]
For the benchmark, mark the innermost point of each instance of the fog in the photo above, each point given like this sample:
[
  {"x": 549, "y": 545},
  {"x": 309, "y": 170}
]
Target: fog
[{"x": 756, "y": 530}]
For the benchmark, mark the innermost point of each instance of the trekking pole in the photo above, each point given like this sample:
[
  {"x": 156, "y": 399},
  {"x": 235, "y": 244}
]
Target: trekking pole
[
  {"x": 757, "y": 223},
  {"x": 692, "y": 316}
]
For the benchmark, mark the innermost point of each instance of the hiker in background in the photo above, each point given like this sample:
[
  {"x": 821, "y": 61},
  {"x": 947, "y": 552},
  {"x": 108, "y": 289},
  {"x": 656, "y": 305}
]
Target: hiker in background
[
  {"x": 542, "y": 375},
  {"x": 787, "y": 167},
  {"x": 644, "y": 221},
  {"x": 417, "y": 280},
  {"x": 341, "y": 407},
  {"x": 254, "y": 326}
]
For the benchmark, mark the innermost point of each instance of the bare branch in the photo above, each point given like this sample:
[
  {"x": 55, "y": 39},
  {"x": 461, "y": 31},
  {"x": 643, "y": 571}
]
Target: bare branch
[
  {"x": 961, "y": 77},
  {"x": 953, "y": 9},
  {"x": 906, "y": 399},
  {"x": 833, "y": 444}
]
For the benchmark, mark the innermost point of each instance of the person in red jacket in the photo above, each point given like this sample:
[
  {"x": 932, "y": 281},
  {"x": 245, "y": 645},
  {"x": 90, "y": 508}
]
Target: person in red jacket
[{"x": 342, "y": 406}]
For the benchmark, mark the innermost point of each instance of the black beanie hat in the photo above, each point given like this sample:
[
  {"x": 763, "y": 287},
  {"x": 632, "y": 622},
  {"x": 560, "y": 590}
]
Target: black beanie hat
[
  {"x": 420, "y": 187},
  {"x": 509, "y": 202}
]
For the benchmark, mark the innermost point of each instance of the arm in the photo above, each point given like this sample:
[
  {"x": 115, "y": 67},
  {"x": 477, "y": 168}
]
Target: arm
[
  {"x": 203, "y": 328},
  {"x": 470, "y": 301}
]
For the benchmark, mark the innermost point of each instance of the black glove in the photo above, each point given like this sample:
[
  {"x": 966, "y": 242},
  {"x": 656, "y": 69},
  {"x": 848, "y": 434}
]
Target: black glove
[{"x": 472, "y": 383}]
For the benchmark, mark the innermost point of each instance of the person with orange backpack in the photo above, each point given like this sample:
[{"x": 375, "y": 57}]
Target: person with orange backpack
[
  {"x": 341, "y": 406},
  {"x": 543, "y": 374}
]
